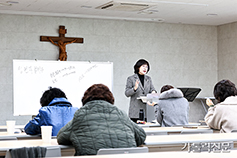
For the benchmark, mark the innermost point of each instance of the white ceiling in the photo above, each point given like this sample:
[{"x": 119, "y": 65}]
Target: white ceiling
[{"x": 201, "y": 12}]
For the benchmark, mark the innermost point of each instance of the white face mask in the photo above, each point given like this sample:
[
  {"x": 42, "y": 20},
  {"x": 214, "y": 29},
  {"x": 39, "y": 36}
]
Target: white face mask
[{"x": 143, "y": 69}]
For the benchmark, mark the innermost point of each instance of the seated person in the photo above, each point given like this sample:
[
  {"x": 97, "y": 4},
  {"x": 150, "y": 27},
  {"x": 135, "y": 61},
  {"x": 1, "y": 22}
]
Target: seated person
[
  {"x": 99, "y": 124},
  {"x": 172, "y": 108},
  {"x": 56, "y": 111},
  {"x": 223, "y": 115}
]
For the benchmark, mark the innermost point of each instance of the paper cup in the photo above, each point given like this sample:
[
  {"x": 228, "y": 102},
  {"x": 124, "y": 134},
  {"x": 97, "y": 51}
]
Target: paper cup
[
  {"x": 10, "y": 127},
  {"x": 46, "y": 133}
]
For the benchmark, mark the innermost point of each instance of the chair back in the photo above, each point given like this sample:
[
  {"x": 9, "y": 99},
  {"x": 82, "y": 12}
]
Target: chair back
[
  {"x": 151, "y": 133},
  {"x": 53, "y": 152},
  {"x": 8, "y": 138},
  {"x": 197, "y": 131},
  {"x": 50, "y": 152},
  {"x": 106, "y": 151}
]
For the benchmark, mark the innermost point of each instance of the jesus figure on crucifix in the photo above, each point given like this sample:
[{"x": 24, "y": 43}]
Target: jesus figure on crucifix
[
  {"x": 61, "y": 42},
  {"x": 62, "y": 48}
]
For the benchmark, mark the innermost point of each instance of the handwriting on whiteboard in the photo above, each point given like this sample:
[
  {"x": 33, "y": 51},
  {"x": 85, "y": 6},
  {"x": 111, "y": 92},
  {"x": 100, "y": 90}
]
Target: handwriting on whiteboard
[
  {"x": 30, "y": 69},
  {"x": 87, "y": 71},
  {"x": 60, "y": 73}
]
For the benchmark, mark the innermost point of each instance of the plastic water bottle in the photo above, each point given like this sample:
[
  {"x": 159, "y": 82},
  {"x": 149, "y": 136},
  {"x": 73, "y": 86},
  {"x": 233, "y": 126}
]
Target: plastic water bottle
[{"x": 141, "y": 115}]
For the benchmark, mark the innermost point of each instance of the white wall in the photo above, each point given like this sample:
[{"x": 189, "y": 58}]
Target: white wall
[{"x": 181, "y": 55}]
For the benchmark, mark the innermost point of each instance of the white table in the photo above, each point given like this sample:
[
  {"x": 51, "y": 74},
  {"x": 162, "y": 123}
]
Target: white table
[
  {"x": 190, "y": 138},
  {"x": 180, "y": 142},
  {"x": 3, "y": 128},
  {"x": 20, "y": 136},
  {"x": 184, "y": 154}
]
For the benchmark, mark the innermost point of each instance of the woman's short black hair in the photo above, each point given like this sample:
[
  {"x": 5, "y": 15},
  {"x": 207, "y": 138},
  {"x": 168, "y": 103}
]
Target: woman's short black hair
[
  {"x": 98, "y": 92},
  {"x": 139, "y": 63},
  {"x": 166, "y": 88},
  {"x": 50, "y": 94},
  {"x": 224, "y": 89}
]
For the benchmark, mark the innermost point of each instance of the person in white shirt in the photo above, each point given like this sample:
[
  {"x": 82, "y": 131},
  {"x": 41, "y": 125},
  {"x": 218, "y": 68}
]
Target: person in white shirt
[{"x": 223, "y": 115}]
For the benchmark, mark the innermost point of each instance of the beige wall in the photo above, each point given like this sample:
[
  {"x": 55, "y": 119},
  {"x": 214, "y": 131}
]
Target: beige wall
[
  {"x": 181, "y": 55},
  {"x": 227, "y": 52}
]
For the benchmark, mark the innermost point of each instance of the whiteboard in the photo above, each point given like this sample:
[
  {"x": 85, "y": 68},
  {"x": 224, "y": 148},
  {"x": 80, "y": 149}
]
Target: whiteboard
[{"x": 31, "y": 78}]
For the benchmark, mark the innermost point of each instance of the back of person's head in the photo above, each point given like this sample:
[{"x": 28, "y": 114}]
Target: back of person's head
[
  {"x": 98, "y": 92},
  {"x": 50, "y": 94},
  {"x": 224, "y": 89},
  {"x": 166, "y": 88},
  {"x": 139, "y": 63}
]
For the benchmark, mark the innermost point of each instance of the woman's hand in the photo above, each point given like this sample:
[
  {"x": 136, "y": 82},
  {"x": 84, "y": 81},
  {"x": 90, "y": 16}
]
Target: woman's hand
[
  {"x": 209, "y": 102},
  {"x": 136, "y": 85}
]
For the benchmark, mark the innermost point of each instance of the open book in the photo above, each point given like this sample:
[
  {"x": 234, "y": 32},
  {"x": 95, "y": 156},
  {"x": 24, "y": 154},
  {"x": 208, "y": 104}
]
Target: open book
[{"x": 151, "y": 97}]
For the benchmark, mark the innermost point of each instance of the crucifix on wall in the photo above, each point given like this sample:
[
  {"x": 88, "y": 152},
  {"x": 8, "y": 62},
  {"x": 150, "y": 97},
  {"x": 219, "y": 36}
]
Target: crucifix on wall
[{"x": 61, "y": 42}]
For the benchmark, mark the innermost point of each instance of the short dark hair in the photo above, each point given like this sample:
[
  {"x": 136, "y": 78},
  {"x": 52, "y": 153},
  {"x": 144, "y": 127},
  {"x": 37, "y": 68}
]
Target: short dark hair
[
  {"x": 224, "y": 89},
  {"x": 50, "y": 94},
  {"x": 139, "y": 63},
  {"x": 166, "y": 88},
  {"x": 98, "y": 92}
]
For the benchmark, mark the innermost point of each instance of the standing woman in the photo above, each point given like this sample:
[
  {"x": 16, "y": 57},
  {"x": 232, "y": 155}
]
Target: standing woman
[{"x": 138, "y": 85}]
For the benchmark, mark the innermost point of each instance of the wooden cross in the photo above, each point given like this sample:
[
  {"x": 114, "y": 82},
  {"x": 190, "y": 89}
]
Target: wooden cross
[{"x": 61, "y": 42}]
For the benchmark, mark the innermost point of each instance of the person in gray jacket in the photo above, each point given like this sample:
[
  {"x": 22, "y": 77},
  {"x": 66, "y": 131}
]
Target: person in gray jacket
[
  {"x": 138, "y": 85},
  {"x": 172, "y": 108},
  {"x": 99, "y": 124}
]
